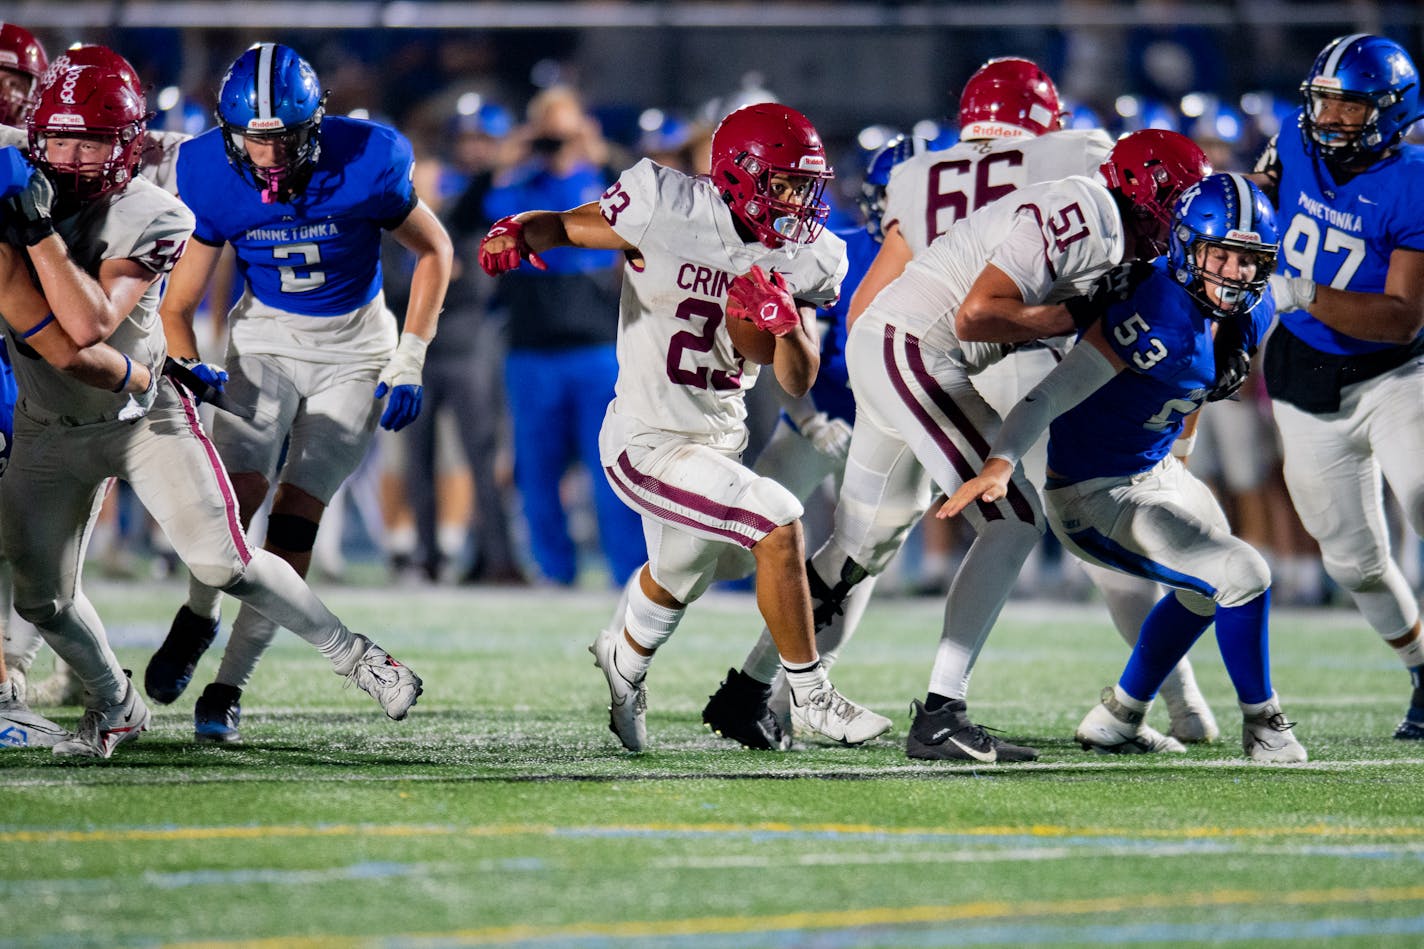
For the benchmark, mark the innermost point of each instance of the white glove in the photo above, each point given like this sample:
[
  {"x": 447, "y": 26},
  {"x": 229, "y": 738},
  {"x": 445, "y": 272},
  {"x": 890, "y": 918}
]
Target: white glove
[
  {"x": 406, "y": 362},
  {"x": 829, "y": 436},
  {"x": 1292, "y": 293}
]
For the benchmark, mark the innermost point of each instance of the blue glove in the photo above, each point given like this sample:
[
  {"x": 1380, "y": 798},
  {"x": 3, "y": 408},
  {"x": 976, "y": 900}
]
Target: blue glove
[
  {"x": 401, "y": 378},
  {"x": 403, "y": 407},
  {"x": 15, "y": 171},
  {"x": 214, "y": 377}
]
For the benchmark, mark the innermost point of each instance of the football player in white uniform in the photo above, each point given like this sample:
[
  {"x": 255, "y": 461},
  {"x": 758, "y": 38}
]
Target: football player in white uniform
[
  {"x": 99, "y": 241},
  {"x": 721, "y": 275},
  {"x": 157, "y": 158},
  {"x": 993, "y": 280}
]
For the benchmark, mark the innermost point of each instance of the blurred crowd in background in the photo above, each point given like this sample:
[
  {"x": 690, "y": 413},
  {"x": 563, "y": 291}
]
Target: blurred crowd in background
[{"x": 504, "y": 120}]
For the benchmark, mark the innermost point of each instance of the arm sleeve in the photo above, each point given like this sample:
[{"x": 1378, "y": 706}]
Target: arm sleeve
[{"x": 1081, "y": 373}]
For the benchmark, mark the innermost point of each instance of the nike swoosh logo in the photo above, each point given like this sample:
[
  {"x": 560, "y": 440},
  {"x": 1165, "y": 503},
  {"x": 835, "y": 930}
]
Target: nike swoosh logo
[{"x": 988, "y": 757}]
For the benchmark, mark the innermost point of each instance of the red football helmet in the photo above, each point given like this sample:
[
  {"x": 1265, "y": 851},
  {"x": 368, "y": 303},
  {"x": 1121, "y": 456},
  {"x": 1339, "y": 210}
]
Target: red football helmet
[
  {"x": 1009, "y": 98},
  {"x": 22, "y": 54},
  {"x": 756, "y": 143},
  {"x": 1150, "y": 169},
  {"x": 87, "y": 102},
  {"x": 89, "y": 54}
]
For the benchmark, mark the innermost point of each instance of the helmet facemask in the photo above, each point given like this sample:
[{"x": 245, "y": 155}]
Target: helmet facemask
[
  {"x": 278, "y": 182},
  {"x": 1236, "y": 296},
  {"x": 86, "y": 180},
  {"x": 796, "y": 215},
  {"x": 1346, "y": 143}
]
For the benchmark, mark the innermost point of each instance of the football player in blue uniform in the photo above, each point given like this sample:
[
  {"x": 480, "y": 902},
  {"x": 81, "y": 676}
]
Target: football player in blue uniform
[
  {"x": 1163, "y": 338},
  {"x": 810, "y": 442},
  {"x": 303, "y": 199},
  {"x": 1344, "y": 366}
]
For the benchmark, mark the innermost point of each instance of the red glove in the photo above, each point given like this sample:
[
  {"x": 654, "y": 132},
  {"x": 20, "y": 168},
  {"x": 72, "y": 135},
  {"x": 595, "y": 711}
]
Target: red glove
[
  {"x": 509, "y": 233},
  {"x": 763, "y": 300}
]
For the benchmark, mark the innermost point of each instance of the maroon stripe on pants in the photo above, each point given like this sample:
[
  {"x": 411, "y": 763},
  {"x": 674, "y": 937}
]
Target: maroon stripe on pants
[
  {"x": 946, "y": 404},
  {"x": 234, "y": 523},
  {"x": 947, "y": 447},
  {"x": 632, "y": 480}
]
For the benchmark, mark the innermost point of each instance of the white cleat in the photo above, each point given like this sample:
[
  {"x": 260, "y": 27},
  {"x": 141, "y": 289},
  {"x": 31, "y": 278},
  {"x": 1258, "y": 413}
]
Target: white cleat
[
  {"x": 628, "y": 701},
  {"x": 101, "y": 730},
  {"x": 380, "y": 676},
  {"x": 836, "y": 717},
  {"x": 20, "y": 727},
  {"x": 1113, "y": 729},
  {"x": 1267, "y": 737},
  {"x": 1192, "y": 720}
]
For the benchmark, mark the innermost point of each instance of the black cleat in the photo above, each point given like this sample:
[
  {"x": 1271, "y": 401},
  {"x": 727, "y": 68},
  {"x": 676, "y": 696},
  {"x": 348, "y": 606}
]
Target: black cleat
[
  {"x": 1412, "y": 728},
  {"x": 216, "y": 715},
  {"x": 738, "y": 710},
  {"x": 172, "y": 666},
  {"x": 947, "y": 734}
]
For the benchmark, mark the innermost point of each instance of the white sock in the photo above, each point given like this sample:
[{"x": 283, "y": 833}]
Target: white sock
[{"x": 805, "y": 681}]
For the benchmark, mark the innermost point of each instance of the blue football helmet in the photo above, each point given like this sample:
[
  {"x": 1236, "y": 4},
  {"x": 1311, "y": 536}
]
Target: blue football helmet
[
  {"x": 270, "y": 93},
  {"x": 1368, "y": 69},
  {"x": 1223, "y": 211},
  {"x": 877, "y": 177}
]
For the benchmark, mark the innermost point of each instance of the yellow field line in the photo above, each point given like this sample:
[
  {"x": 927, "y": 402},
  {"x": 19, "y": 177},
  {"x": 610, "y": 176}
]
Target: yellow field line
[
  {"x": 127, "y": 835},
  {"x": 849, "y": 919}
]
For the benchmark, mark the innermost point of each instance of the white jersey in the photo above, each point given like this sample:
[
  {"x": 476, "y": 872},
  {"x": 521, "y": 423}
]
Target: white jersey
[
  {"x": 141, "y": 222},
  {"x": 678, "y": 371},
  {"x": 1054, "y": 240},
  {"x": 158, "y": 160},
  {"x": 926, "y": 194}
]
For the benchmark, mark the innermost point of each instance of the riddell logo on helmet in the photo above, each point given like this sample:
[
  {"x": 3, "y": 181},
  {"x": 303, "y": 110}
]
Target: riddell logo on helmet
[
  {"x": 8, "y": 58},
  {"x": 264, "y": 125},
  {"x": 66, "y": 119},
  {"x": 994, "y": 130},
  {"x": 811, "y": 163},
  {"x": 1245, "y": 237},
  {"x": 1326, "y": 82}
]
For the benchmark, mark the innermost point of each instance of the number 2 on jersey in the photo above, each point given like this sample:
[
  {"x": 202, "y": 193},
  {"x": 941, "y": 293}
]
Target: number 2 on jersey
[
  {"x": 293, "y": 282},
  {"x": 687, "y": 341}
]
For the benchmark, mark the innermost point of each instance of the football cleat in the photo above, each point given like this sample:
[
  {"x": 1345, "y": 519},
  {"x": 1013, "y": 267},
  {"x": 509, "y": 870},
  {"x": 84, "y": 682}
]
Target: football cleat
[
  {"x": 1412, "y": 728},
  {"x": 171, "y": 668},
  {"x": 1192, "y": 719},
  {"x": 380, "y": 676},
  {"x": 628, "y": 701},
  {"x": 20, "y": 727},
  {"x": 739, "y": 710},
  {"x": 101, "y": 730},
  {"x": 216, "y": 716},
  {"x": 947, "y": 734},
  {"x": 1267, "y": 737},
  {"x": 1112, "y": 728},
  {"x": 832, "y": 715}
]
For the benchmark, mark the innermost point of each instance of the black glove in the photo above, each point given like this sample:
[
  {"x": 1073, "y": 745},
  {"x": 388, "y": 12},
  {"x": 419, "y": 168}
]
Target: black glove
[
  {"x": 27, "y": 214},
  {"x": 1233, "y": 361},
  {"x": 1115, "y": 286}
]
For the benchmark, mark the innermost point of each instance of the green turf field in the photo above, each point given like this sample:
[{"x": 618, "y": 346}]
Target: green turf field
[{"x": 503, "y": 812}]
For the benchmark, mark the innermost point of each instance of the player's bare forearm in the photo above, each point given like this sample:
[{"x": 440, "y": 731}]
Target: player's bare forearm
[
  {"x": 422, "y": 233},
  {"x": 1378, "y": 317},
  {"x": 187, "y": 283},
  {"x": 1002, "y": 320},
  {"x": 584, "y": 226},
  {"x": 78, "y": 301},
  {"x": 797, "y": 358},
  {"x": 104, "y": 367}
]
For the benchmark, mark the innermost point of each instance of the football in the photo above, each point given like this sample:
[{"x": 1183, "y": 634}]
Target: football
[{"x": 755, "y": 344}]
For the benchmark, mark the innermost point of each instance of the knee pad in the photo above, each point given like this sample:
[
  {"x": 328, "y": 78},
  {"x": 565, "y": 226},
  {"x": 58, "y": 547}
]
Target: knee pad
[
  {"x": 649, "y": 624},
  {"x": 1250, "y": 577},
  {"x": 219, "y": 576},
  {"x": 39, "y": 615},
  {"x": 291, "y": 533},
  {"x": 1359, "y": 576},
  {"x": 1195, "y": 602}
]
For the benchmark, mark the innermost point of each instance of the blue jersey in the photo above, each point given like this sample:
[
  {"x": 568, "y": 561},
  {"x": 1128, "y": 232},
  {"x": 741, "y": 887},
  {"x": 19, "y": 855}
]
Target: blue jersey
[
  {"x": 831, "y": 390},
  {"x": 1129, "y": 424},
  {"x": 319, "y": 254},
  {"x": 1342, "y": 235}
]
